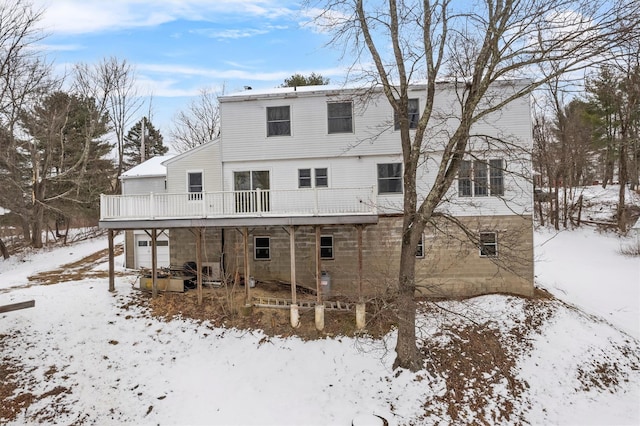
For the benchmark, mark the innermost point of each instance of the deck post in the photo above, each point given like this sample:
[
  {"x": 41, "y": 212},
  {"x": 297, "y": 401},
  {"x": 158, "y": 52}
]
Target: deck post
[
  {"x": 247, "y": 269},
  {"x": 198, "y": 235},
  {"x": 112, "y": 286},
  {"x": 154, "y": 263},
  {"x": 319, "y": 311},
  {"x": 294, "y": 314},
  {"x": 360, "y": 306}
]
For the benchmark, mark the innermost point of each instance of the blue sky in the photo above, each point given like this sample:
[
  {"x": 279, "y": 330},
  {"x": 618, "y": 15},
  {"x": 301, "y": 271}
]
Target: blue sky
[{"x": 181, "y": 46}]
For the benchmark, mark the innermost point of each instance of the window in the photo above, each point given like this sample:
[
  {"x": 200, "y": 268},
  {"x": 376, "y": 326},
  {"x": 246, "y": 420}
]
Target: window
[
  {"x": 262, "y": 248},
  {"x": 390, "y": 178},
  {"x": 279, "y": 121},
  {"x": 326, "y": 247},
  {"x": 245, "y": 184},
  {"x": 480, "y": 178},
  {"x": 194, "y": 182},
  {"x": 496, "y": 178},
  {"x": 420, "y": 248},
  {"x": 322, "y": 178},
  {"x": 340, "y": 117},
  {"x": 143, "y": 243},
  {"x": 414, "y": 114},
  {"x": 464, "y": 179},
  {"x": 488, "y": 244},
  {"x": 162, "y": 243},
  {"x": 305, "y": 178}
]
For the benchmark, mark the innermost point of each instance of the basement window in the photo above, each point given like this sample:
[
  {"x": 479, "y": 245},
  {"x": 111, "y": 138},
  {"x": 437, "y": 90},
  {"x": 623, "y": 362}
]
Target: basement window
[
  {"x": 262, "y": 248},
  {"x": 488, "y": 244}
]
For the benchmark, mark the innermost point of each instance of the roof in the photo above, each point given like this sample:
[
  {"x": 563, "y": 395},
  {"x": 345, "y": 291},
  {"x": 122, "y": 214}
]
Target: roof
[
  {"x": 636, "y": 226},
  {"x": 191, "y": 151},
  {"x": 329, "y": 89},
  {"x": 152, "y": 167}
]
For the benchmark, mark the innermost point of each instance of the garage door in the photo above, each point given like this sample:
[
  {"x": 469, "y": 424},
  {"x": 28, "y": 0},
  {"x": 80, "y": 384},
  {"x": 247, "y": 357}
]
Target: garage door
[{"x": 143, "y": 251}]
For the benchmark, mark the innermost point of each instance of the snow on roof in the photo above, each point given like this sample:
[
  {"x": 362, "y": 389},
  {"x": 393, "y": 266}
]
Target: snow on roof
[
  {"x": 152, "y": 167},
  {"x": 636, "y": 226}
]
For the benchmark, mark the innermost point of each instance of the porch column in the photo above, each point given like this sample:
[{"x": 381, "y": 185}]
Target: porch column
[
  {"x": 294, "y": 313},
  {"x": 319, "y": 304},
  {"x": 154, "y": 263},
  {"x": 112, "y": 286},
  {"x": 247, "y": 269}
]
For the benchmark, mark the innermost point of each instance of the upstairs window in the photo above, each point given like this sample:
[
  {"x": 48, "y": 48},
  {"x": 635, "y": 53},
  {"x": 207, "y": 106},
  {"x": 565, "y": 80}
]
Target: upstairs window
[
  {"x": 340, "y": 117},
  {"x": 390, "y": 178},
  {"x": 480, "y": 178},
  {"x": 488, "y": 244},
  {"x": 414, "y": 114},
  {"x": 322, "y": 177},
  {"x": 279, "y": 121},
  {"x": 496, "y": 177},
  {"x": 194, "y": 182},
  {"x": 306, "y": 178}
]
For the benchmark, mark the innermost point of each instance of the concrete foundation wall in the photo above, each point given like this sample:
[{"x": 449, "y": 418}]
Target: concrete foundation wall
[{"x": 452, "y": 265}]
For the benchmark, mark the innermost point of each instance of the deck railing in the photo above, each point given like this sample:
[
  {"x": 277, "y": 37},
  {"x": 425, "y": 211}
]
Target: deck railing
[{"x": 258, "y": 203}]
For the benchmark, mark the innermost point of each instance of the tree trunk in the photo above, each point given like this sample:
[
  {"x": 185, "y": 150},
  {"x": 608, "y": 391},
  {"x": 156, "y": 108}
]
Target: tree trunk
[
  {"x": 407, "y": 355},
  {"x": 622, "y": 179},
  {"x": 3, "y": 250}
]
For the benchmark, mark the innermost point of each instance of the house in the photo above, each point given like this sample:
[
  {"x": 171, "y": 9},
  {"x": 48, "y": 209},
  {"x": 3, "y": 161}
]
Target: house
[{"x": 304, "y": 185}]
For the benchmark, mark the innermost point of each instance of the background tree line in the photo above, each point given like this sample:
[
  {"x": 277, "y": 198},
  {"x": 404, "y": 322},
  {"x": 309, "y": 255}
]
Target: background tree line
[
  {"x": 63, "y": 141},
  {"x": 589, "y": 137}
]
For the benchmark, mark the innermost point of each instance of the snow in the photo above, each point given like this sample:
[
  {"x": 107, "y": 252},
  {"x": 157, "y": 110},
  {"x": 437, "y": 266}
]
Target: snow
[
  {"x": 122, "y": 365},
  {"x": 152, "y": 167}
]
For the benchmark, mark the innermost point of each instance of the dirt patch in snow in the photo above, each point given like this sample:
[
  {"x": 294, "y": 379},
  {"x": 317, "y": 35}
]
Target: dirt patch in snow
[{"x": 79, "y": 270}]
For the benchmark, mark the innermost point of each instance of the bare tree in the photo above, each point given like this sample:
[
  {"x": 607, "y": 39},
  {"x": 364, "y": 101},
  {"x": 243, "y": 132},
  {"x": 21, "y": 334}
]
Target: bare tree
[
  {"x": 199, "y": 124},
  {"x": 123, "y": 103},
  {"x": 476, "y": 48},
  {"x": 24, "y": 76}
]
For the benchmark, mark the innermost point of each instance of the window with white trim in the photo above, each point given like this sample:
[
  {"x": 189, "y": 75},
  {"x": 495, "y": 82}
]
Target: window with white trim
[
  {"x": 414, "y": 115},
  {"x": 390, "y": 178},
  {"x": 488, "y": 244},
  {"x": 326, "y": 247},
  {"x": 308, "y": 177},
  {"x": 340, "y": 117},
  {"x": 420, "y": 248},
  {"x": 262, "y": 248},
  {"x": 194, "y": 185},
  {"x": 279, "y": 121},
  {"x": 481, "y": 178}
]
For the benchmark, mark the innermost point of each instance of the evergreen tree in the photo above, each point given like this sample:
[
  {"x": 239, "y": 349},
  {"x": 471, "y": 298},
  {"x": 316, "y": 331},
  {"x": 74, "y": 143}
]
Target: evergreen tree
[
  {"x": 301, "y": 80},
  {"x": 67, "y": 159},
  {"x": 153, "y": 143}
]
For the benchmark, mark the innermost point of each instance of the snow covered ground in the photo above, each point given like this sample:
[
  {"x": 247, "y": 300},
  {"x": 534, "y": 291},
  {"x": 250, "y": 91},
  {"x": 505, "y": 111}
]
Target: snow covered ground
[{"x": 92, "y": 357}]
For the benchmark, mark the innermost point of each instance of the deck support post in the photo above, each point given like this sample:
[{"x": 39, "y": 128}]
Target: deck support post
[
  {"x": 361, "y": 313},
  {"x": 198, "y": 234},
  {"x": 154, "y": 263},
  {"x": 112, "y": 286},
  {"x": 319, "y": 311},
  {"x": 294, "y": 314},
  {"x": 247, "y": 269}
]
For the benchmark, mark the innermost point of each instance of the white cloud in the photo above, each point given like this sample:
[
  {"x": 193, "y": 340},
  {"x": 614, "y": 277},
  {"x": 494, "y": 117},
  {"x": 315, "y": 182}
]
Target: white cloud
[{"x": 89, "y": 16}]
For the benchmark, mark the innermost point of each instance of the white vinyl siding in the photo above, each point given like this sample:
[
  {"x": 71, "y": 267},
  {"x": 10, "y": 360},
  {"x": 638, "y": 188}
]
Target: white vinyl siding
[
  {"x": 206, "y": 158},
  {"x": 143, "y": 185}
]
